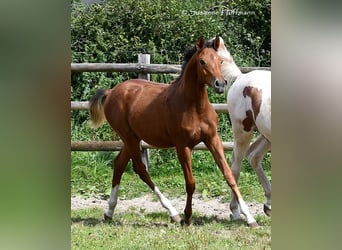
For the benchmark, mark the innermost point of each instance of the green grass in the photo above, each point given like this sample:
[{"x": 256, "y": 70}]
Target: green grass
[
  {"x": 131, "y": 230},
  {"x": 91, "y": 174}
]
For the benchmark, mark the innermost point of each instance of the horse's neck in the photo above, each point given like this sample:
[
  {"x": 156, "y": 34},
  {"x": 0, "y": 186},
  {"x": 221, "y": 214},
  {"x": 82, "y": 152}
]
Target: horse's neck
[
  {"x": 230, "y": 71},
  {"x": 191, "y": 90}
]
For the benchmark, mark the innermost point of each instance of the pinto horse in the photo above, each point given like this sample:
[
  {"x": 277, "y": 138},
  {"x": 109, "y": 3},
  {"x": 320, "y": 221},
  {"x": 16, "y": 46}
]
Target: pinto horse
[
  {"x": 167, "y": 115},
  {"x": 249, "y": 107}
]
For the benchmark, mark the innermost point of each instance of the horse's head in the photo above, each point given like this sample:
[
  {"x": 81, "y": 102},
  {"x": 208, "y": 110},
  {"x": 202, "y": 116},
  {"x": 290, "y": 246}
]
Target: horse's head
[
  {"x": 220, "y": 48},
  {"x": 209, "y": 65},
  {"x": 229, "y": 69}
]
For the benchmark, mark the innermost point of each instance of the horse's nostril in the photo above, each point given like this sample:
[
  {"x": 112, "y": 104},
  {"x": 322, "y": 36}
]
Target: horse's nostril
[
  {"x": 216, "y": 83},
  {"x": 225, "y": 82}
]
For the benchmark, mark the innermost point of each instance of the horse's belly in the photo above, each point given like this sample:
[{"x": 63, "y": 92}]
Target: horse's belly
[
  {"x": 155, "y": 136},
  {"x": 158, "y": 133}
]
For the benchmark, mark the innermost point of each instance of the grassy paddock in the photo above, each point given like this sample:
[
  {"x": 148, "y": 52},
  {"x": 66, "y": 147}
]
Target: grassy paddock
[
  {"x": 131, "y": 230},
  {"x": 91, "y": 175}
]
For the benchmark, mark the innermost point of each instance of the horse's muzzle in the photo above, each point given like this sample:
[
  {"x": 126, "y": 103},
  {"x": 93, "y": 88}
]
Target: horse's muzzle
[{"x": 219, "y": 86}]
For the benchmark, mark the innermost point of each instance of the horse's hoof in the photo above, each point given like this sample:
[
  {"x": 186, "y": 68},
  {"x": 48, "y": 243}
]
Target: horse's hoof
[
  {"x": 176, "y": 218},
  {"x": 107, "y": 218},
  {"x": 183, "y": 223},
  {"x": 253, "y": 225},
  {"x": 267, "y": 211}
]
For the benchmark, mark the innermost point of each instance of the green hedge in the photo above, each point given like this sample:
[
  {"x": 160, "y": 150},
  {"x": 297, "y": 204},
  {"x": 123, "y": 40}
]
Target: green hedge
[{"x": 117, "y": 31}]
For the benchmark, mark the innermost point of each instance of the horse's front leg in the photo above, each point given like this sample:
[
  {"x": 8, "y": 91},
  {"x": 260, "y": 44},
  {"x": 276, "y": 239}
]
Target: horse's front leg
[
  {"x": 241, "y": 144},
  {"x": 184, "y": 156},
  {"x": 215, "y": 146}
]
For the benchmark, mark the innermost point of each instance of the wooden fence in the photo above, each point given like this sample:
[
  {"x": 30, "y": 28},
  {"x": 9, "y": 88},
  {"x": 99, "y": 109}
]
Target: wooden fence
[
  {"x": 139, "y": 68},
  {"x": 144, "y": 68}
]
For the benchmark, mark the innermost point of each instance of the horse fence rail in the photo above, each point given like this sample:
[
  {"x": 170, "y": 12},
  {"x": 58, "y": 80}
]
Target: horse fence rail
[
  {"x": 139, "y": 68},
  {"x": 75, "y": 105}
]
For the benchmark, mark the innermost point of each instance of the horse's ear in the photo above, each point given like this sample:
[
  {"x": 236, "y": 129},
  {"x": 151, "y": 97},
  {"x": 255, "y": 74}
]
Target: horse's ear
[
  {"x": 216, "y": 43},
  {"x": 200, "y": 43}
]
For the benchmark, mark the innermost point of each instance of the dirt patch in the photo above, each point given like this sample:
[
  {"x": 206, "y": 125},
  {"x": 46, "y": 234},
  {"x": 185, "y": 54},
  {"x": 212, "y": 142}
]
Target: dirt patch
[{"x": 212, "y": 207}]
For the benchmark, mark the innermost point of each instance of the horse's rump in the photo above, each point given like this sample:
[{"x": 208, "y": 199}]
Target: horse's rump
[{"x": 140, "y": 107}]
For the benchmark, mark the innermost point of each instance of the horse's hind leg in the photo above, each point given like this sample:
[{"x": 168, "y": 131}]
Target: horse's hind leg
[
  {"x": 241, "y": 143},
  {"x": 255, "y": 155},
  {"x": 120, "y": 164},
  {"x": 140, "y": 168},
  {"x": 184, "y": 156}
]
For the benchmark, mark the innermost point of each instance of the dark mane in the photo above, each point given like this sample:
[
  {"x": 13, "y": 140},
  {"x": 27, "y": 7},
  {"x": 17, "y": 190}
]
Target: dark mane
[{"x": 189, "y": 52}]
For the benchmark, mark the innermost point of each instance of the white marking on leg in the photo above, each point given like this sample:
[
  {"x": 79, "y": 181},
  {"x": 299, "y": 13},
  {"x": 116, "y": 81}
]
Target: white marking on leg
[
  {"x": 165, "y": 202},
  {"x": 245, "y": 211},
  {"x": 234, "y": 207},
  {"x": 113, "y": 199}
]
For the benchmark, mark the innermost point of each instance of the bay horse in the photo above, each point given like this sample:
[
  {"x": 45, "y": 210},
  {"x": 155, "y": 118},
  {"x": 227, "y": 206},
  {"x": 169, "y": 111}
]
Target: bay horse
[
  {"x": 249, "y": 108},
  {"x": 167, "y": 115}
]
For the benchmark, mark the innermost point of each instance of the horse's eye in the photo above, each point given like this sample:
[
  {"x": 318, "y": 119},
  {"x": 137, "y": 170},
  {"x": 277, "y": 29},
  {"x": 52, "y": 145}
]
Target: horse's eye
[
  {"x": 221, "y": 61},
  {"x": 202, "y": 62}
]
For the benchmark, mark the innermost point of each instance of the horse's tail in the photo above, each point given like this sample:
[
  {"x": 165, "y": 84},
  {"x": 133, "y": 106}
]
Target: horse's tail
[{"x": 96, "y": 104}]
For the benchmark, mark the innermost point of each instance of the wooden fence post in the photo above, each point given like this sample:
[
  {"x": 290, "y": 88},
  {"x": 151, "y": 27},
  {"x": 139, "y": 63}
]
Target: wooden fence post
[{"x": 144, "y": 59}]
